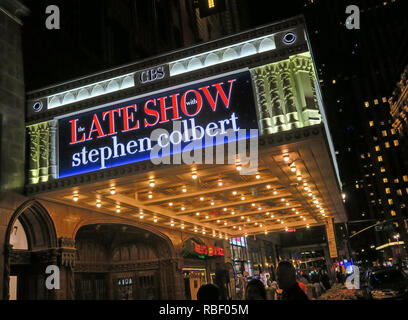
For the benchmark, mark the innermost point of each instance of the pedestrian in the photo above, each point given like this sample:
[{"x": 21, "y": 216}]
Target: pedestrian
[
  {"x": 255, "y": 290},
  {"x": 208, "y": 292},
  {"x": 286, "y": 274}
]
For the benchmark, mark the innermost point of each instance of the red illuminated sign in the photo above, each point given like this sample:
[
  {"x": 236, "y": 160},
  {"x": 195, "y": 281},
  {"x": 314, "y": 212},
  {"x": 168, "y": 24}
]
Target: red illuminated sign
[{"x": 208, "y": 251}]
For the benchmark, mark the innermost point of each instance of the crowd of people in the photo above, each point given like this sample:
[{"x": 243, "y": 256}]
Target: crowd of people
[{"x": 288, "y": 285}]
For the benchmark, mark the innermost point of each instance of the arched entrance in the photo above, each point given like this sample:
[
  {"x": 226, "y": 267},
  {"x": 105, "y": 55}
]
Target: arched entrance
[
  {"x": 122, "y": 262},
  {"x": 31, "y": 245}
]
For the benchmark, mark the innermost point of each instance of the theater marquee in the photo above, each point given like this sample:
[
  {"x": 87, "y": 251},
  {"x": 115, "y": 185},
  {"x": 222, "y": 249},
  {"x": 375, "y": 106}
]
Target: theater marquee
[{"x": 121, "y": 133}]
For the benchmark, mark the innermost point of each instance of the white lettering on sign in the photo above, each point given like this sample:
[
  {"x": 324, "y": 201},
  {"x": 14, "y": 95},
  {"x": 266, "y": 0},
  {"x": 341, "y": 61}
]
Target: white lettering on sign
[{"x": 152, "y": 74}]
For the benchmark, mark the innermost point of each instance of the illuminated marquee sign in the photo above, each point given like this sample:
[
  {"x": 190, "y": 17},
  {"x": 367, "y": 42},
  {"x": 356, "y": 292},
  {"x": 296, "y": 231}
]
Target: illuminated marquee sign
[
  {"x": 120, "y": 133},
  {"x": 191, "y": 247}
]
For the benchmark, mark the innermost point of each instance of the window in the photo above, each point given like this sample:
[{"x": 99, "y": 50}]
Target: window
[
  {"x": 387, "y": 190},
  {"x": 375, "y": 101},
  {"x": 406, "y": 190},
  {"x": 356, "y": 186},
  {"x": 380, "y": 159},
  {"x": 387, "y": 144},
  {"x": 377, "y": 148},
  {"x": 396, "y": 143},
  {"x": 405, "y": 178},
  {"x": 382, "y": 169},
  {"x": 210, "y": 4},
  {"x": 396, "y": 180},
  {"x": 392, "y": 131},
  {"x": 385, "y": 180},
  {"x": 399, "y": 192},
  {"x": 384, "y": 133},
  {"x": 384, "y": 99},
  {"x": 367, "y": 104},
  {"x": 362, "y": 156},
  {"x": 371, "y": 123},
  {"x": 393, "y": 213},
  {"x": 390, "y": 201}
]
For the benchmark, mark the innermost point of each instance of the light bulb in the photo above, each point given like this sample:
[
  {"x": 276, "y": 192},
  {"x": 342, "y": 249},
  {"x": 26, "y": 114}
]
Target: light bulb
[{"x": 75, "y": 198}]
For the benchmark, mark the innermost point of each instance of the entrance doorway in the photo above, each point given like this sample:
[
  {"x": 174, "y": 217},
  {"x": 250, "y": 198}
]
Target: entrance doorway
[
  {"x": 193, "y": 280},
  {"x": 119, "y": 262}
]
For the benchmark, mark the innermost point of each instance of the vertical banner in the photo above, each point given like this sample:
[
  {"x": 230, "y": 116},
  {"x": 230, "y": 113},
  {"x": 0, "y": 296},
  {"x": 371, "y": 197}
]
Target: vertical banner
[{"x": 331, "y": 238}]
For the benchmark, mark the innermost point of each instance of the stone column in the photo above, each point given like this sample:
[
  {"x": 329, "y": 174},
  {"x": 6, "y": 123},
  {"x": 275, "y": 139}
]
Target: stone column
[
  {"x": 66, "y": 263},
  {"x": 265, "y": 122},
  {"x": 278, "y": 117},
  {"x": 34, "y": 155},
  {"x": 292, "y": 116},
  {"x": 44, "y": 151}
]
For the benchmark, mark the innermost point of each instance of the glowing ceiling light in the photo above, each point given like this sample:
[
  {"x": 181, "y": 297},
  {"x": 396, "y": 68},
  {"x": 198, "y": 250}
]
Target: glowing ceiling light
[
  {"x": 283, "y": 200},
  {"x": 299, "y": 178},
  {"x": 151, "y": 184},
  {"x": 310, "y": 194},
  {"x": 155, "y": 219},
  {"x": 286, "y": 158},
  {"x": 260, "y": 208},
  {"x": 268, "y": 213},
  {"x": 170, "y": 204},
  {"x": 112, "y": 190},
  {"x": 261, "y": 225},
  {"x": 234, "y": 193},
  {"x": 242, "y": 217},
  {"x": 150, "y": 196},
  {"x": 218, "y": 221},
  {"x": 172, "y": 224},
  {"x": 183, "y": 208},
  {"x": 239, "y": 228},
  {"x": 268, "y": 186},
  {"x": 225, "y": 223},
  {"x": 232, "y": 212},
  {"x": 118, "y": 210},
  {"x": 212, "y": 203},
  {"x": 253, "y": 204},
  {"x": 225, "y": 209},
  {"x": 184, "y": 189},
  {"x": 293, "y": 169},
  {"x": 242, "y": 198},
  {"x": 275, "y": 192},
  {"x": 220, "y": 183},
  {"x": 287, "y": 203},
  {"x": 304, "y": 219},
  {"x": 256, "y": 223},
  {"x": 234, "y": 227},
  {"x": 202, "y": 198},
  {"x": 197, "y": 213},
  {"x": 239, "y": 168},
  {"x": 194, "y": 176},
  {"x": 308, "y": 226},
  {"x": 266, "y": 232},
  {"x": 75, "y": 198},
  {"x": 98, "y": 203},
  {"x": 207, "y": 217},
  {"x": 258, "y": 176}
]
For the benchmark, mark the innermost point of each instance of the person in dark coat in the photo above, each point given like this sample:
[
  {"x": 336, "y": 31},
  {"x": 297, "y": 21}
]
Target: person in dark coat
[
  {"x": 286, "y": 274},
  {"x": 255, "y": 290},
  {"x": 208, "y": 292}
]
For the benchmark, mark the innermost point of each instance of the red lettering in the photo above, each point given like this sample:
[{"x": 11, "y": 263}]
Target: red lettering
[
  {"x": 74, "y": 132},
  {"x": 199, "y": 103},
  {"x": 151, "y": 112},
  {"x": 127, "y": 117},
  {"x": 163, "y": 108},
  {"x": 111, "y": 114},
  {"x": 95, "y": 122},
  {"x": 220, "y": 91}
]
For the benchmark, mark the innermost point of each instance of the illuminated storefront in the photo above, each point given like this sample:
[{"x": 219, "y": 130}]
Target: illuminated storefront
[{"x": 118, "y": 195}]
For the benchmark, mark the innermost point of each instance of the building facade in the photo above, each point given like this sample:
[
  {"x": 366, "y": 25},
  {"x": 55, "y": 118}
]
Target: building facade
[{"x": 120, "y": 196}]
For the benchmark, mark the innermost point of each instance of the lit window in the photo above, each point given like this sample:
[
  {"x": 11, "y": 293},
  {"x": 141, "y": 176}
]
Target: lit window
[
  {"x": 382, "y": 169},
  {"x": 377, "y": 148},
  {"x": 387, "y": 144},
  {"x": 362, "y": 156},
  {"x": 356, "y": 186},
  {"x": 367, "y": 104},
  {"x": 387, "y": 190},
  {"x": 399, "y": 192},
  {"x": 375, "y": 101},
  {"x": 392, "y": 131},
  {"x": 390, "y": 201},
  {"x": 396, "y": 143},
  {"x": 384, "y": 99},
  {"x": 210, "y": 4},
  {"x": 384, "y": 133},
  {"x": 393, "y": 213},
  {"x": 385, "y": 180},
  {"x": 371, "y": 123},
  {"x": 405, "y": 178},
  {"x": 380, "y": 159},
  {"x": 396, "y": 180},
  {"x": 406, "y": 190},
  {"x": 368, "y": 154}
]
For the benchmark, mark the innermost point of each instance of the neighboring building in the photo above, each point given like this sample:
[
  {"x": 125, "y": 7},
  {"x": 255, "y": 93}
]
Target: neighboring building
[
  {"x": 356, "y": 69},
  {"x": 118, "y": 225},
  {"x": 12, "y": 131},
  {"x": 100, "y": 34}
]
